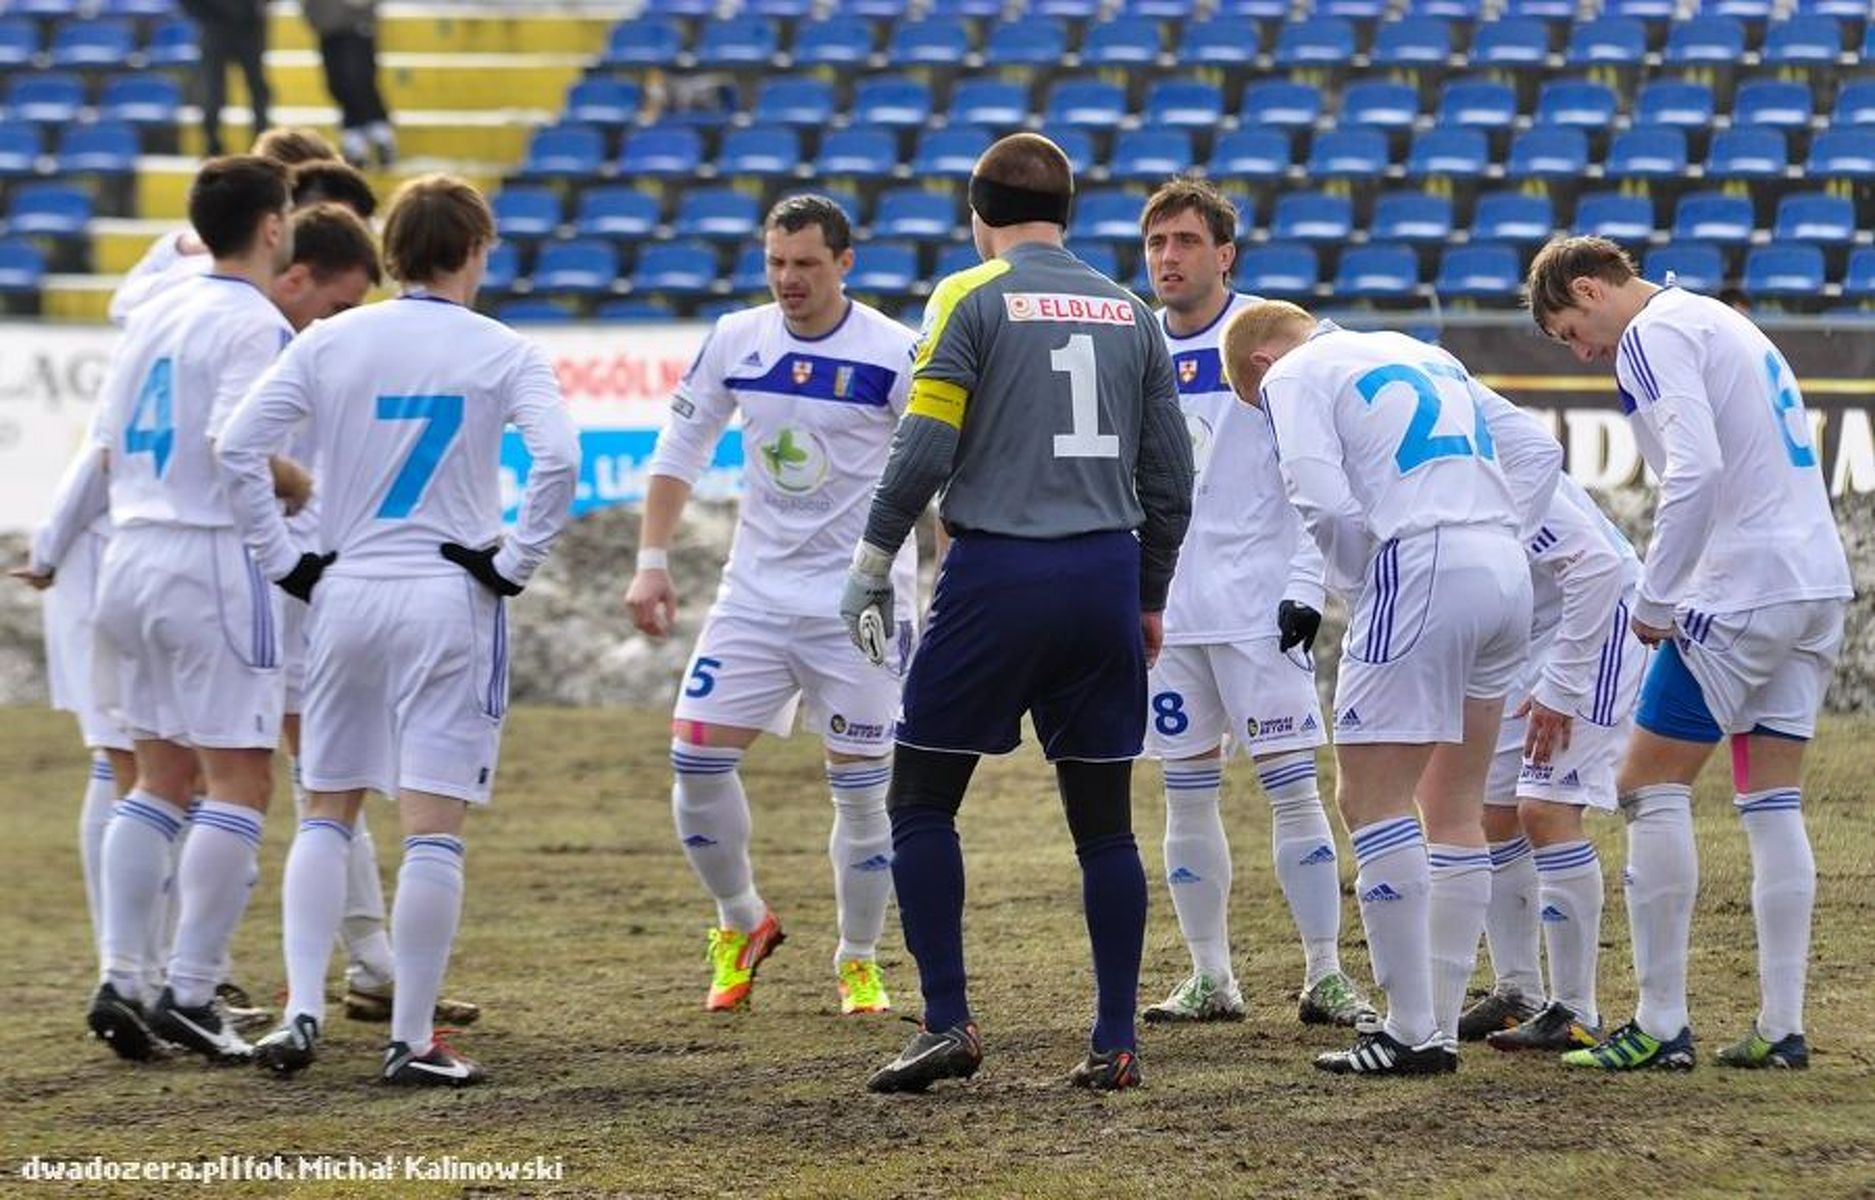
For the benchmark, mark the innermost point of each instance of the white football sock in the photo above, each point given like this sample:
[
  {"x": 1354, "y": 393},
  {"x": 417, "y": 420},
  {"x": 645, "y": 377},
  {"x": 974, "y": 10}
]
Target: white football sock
[
  {"x": 424, "y": 916},
  {"x": 1197, "y": 863},
  {"x": 1460, "y": 893},
  {"x": 312, "y": 902},
  {"x": 1303, "y": 849},
  {"x": 860, "y": 849},
  {"x": 713, "y": 824},
  {"x": 1569, "y": 893},
  {"x": 219, "y": 865},
  {"x": 1510, "y": 921},
  {"x": 134, "y": 861},
  {"x": 1662, "y": 881},
  {"x": 1394, "y": 887},
  {"x": 1783, "y": 892},
  {"x": 93, "y": 818},
  {"x": 367, "y": 945}
]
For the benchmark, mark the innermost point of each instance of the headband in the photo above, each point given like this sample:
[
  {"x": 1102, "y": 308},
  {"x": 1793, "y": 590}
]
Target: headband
[{"x": 1000, "y": 204}]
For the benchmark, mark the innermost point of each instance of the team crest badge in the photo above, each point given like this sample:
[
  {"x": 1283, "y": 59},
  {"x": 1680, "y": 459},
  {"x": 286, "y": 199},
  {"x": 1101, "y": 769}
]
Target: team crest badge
[
  {"x": 842, "y": 382},
  {"x": 803, "y": 371},
  {"x": 1187, "y": 370}
]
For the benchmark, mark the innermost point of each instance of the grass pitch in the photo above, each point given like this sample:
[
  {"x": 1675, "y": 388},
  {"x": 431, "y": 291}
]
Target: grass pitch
[{"x": 583, "y": 939}]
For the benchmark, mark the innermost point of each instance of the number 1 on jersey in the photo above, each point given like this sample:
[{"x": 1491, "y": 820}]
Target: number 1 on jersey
[
  {"x": 152, "y": 428},
  {"x": 1076, "y": 360},
  {"x": 444, "y": 417}
]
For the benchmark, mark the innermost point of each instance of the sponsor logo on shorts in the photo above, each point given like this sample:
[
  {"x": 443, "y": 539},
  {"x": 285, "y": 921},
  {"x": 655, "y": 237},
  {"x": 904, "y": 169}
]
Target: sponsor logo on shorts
[
  {"x": 1309, "y": 723},
  {"x": 838, "y": 724},
  {"x": 859, "y": 731},
  {"x": 1058, "y": 306},
  {"x": 1184, "y": 875},
  {"x": 1269, "y": 727},
  {"x": 1554, "y": 915},
  {"x": 1349, "y": 719},
  {"x": 1569, "y": 780},
  {"x": 1380, "y": 893},
  {"x": 1535, "y": 773}
]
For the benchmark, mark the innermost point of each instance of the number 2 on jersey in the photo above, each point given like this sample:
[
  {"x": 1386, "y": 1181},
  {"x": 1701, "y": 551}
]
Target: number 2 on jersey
[
  {"x": 1787, "y": 406},
  {"x": 152, "y": 428},
  {"x": 443, "y": 415},
  {"x": 1419, "y": 445},
  {"x": 1076, "y": 361}
]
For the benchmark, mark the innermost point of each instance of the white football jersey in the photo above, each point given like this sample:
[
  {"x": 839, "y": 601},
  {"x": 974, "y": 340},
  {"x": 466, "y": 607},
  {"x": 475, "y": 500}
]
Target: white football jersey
[
  {"x": 161, "y": 268},
  {"x": 404, "y": 404},
  {"x": 1743, "y": 519},
  {"x": 817, "y": 422},
  {"x": 1381, "y": 436},
  {"x": 1245, "y": 550},
  {"x": 178, "y": 373}
]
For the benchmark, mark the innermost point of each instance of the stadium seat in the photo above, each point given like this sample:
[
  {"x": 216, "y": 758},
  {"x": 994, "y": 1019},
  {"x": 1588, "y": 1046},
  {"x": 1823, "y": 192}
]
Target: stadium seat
[
  {"x": 44, "y": 8},
  {"x": 1747, "y": 154},
  {"x": 1072, "y": 10},
  {"x": 1411, "y": 217},
  {"x": 1645, "y": 10},
  {"x": 1814, "y": 217},
  {"x": 104, "y": 148},
  {"x": 789, "y": 100},
  {"x": 858, "y": 152},
  {"x": 891, "y": 101},
  {"x": 780, "y": 10},
  {"x": 1288, "y": 105},
  {"x": 1314, "y": 42},
  {"x": 143, "y": 99},
  {"x": 967, "y": 8},
  {"x": 533, "y": 312},
  {"x": 1279, "y": 269},
  {"x": 1647, "y": 151},
  {"x": 1085, "y": 104},
  {"x": 632, "y": 312},
  {"x": 55, "y": 209},
  {"x": 19, "y": 41},
  {"x": 1775, "y": 103},
  {"x": 504, "y": 266},
  {"x": 737, "y": 43},
  {"x": 1623, "y": 218},
  {"x": 1150, "y": 154},
  {"x": 1180, "y": 102},
  {"x": 1312, "y": 217},
  {"x": 1029, "y": 42},
  {"x": 677, "y": 268},
  {"x": 1707, "y": 40},
  {"x": 750, "y": 272},
  {"x": 1784, "y": 271},
  {"x": 1380, "y": 104},
  {"x": 1077, "y": 144},
  {"x": 526, "y": 212},
  {"x": 1347, "y": 153},
  {"x": 1542, "y": 10},
  {"x": 1548, "y": 152},
  {"x": 832, "y": 44},
  {"x": 1106, "y": 216},
  {"x": 880, "y": 266},
  {"x": 991, "y": 103},
  {"x": 1162, "y": 10},
  {"x": 1514, "y": 42},
  {"x": 586, "y": 267},
  {"x": 1445, "y": 10},
  {"x": 1674, "y": 102},
  {"x": 1712, "y": 217},
  {"x": 1745, "y": 10},
  {"x": 81, "y": 44},
  {"x": 1515, "y": 217},
  {"x": 1353, "y": 10},
  {"x": 1607, "y": 41},
  {"x": 949, "y": 153},
  {"x": 22, "y": 266},
  {"x": 1842, "y": 154},
  {"x": 600, "y": 100},
  {"x": 1122, "y": 42},
  {"x": 943, "y": 41},
  {"x": 51, "y": 97},
  {"x": 1803, "y": 41},
  {"x": 1217, "y": 42},
  {"x": 1447, "y": 151},
  {"x": 868, "y": 10},
  {"x": 1251, "y": 153},
  {"x": 661, "y": 150},
  {"x": 20, "y": 148},
  {"x": 1412, "y": 42},
  {"x": 1477, "y": 104},
  {"x": 1255, "y": 10},
  {"x": 952, "y": 259},
  {"x": 1577, "y": 102},
  {"x": 646, "y": 42},
  {"x": 173, "y": 44},
  {"x": 1480, "y": 270},
  {"x": 1855, "y": 104},
  {"x": 1858, "y": 281},
  {"x": 565, "y": 151},
  {"x": 616, "y": 212},
  {"x": 1377, "y": 271},
  {"x": 716, "y": 213},
  {"x": 1694, "y": 267},
  {"x": 916, "y": 214},
  {"x": 760, "y": 150}
]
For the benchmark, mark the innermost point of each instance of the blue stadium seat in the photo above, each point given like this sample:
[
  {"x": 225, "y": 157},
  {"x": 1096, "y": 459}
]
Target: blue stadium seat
[
  {"x": 716, "y": 213},
  {"x": 1411, "y": 217},
  {"x": 1314, "y": 42},
  {"x": 760, "y": 150},
  {"x": 858, "y": 152},
  {"x": 1747, "y": 154},
  {"x": 1855, "y": 103},
  {"x": 1182, "y": 102},
  {"x": 833, "y": 44},
  {"x": 1255, "y": 10},
  {"x": 616, "y": 212},
  {"x": 891, "y": 101},
  {"x": 1077, "y": 144},
  {"x": 1842, "y": 10},
  {"x": 1784, "y": 271},
  {"x": 916, "y": 214},
  {"x": 1122, "y": 42},
  {"x": 681, "y": 8},
  {"x": 793, "y": 100},
  {"x": 1412, "y": 42},
  {"x": 1444, "y": 150},
  {"x": 585, "y": 266},
  {"x": 1710, "y": 40},
  {"x": 1542, "y": 10},
  {"x": 661, "y": 150},
  {"x": 1251, "y": 153},
  {"x": 1647, "y": 152},
  {"x": 52, "y": 97},
  {"x": 601, "y": 100},
  {"x": 19, "y": 41},
  {"x": 1353, "y": 10},
  {"x": 1646, "y": 10},
  {"x": 943, "y": 41},
  {"x": 952, "y": 259},
  {"x": 105, "y": 43},
  {"x": 1288, "y": 105},
  {"x": 883, "y": 267},
  {"x": 44, "y": 8},
  {"x": 1777, "y": 103},
  {"x": 1217, "y": 42},
  {"x": 676, "y": 268},
  {"x": 633, "y": 312},
  {"x": 104, "y": 148},
  {"x": 1162, "y": 10},
  {"x": 1445, "y": 10},
  {"x": 1695, "y": 267},
  {"x": 1377, "y": 271},
  {"x": 22, "y": 266},
  {"x": 1577, "y": 102},
  {"x": 1150, "y": 154},
  {"x": 646, "y": 42},
  {"x": 992, "y": 103},
  {"x": 1347, "y": 153},
  {"x": 1607, "y": 41},
  {"x": 737, "y": 43},
  {"x": 1745, "y": 10},
  {"x": 533, "y": 312},
  {"x": 49, "y": 208},
  {"x": 1515, "y": 42},
  {"x": 1712, "y": 217},
  {"x": 1085, "y": 104},
  {"x": 1814, "y": 217},
  {"x": 781, "y": 10},
  {"x": 1477, "y": 104},
  {"x": 967, "y": 8},
  {"x": 1106, "y": 217},
  {"x": 20, "y": 148},
  {"x": 564, "y": 151},
  {"x": 1548, "y": 152},
  {"x": 1480, "y": 270},
  {"x": 1842, "y": 154},
  {"x": 1803, "y": 41},
  {"x": 750, "y": 273},
  {"x": 504, "y": 266},
  {"x": 1279, "y": 269},
  {"x": 1381, "y": 104},
  {"x": 526, "y": 212},
  {"x": 1858, "y": 280},
  {"x": 1312, "y": 217},
  {"x": 868, "y": 10},
  {"x": 949, "y": 153},
  {"x": 1072, "y": 10},
  {"x": 1674, "y": 102},
  {"x": 1515, "y": 217},
  {"x": 142, "y": 99},
  {"x": 1620, "y": 217},
  {"x": 173, "y": 44},
  {"x": 1030, "y": 42}
]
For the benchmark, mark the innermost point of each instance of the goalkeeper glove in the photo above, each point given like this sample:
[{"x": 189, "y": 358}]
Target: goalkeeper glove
[{"x": 866, "y": 604}]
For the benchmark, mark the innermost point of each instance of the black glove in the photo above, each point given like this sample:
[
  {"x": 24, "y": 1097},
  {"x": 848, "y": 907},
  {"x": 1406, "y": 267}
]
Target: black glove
[
  {"x": 1298, "y": 623},
  {"x": 298, "y": 583},
  {"x": 480, "y": 564}
]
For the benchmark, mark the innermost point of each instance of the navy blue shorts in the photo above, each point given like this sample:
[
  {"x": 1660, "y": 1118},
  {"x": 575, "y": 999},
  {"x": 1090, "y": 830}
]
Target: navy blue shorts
[{"x": 1048, "y": 628}]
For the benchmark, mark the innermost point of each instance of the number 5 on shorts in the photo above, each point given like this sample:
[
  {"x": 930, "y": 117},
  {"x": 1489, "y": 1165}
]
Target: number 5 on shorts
[{"x": 444, "y": 417}]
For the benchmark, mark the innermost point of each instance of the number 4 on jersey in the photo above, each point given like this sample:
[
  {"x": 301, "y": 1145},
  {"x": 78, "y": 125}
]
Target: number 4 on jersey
[
  {"x": 443, "y": 415},
  {"x": 152, "y": 428}
]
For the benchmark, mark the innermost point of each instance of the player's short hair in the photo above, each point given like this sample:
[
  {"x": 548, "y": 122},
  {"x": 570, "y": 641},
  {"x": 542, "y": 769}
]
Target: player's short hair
[
  {"x": 332, "y": 239},
  {"x": 231, "y": 196},
  {"x": 795, "y": 213},
  {"x": 1023, "y": 177},
  {"x": 1566, "y": 259},
  {"x": 435, "y": 223},
  {"x": 322, "y": 181},
  {"x": 291, "y": 147},
  {"x": 1256, "y": 325},
  {"x": 1188, "y": 193}
]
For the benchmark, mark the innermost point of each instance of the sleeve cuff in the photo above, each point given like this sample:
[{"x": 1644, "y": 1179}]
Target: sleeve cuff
[
  {"x": 1552, "y": 695},
  {"x": 509, "y": 565},
  {"x": 280, "y": 563},
  {"x": 1308, "y": 592},
  {"x": 1653, "y": 612}
]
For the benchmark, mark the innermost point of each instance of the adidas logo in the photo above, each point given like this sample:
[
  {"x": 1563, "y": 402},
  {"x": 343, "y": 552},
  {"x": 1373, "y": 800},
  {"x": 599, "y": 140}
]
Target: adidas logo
[
  {"x": 754, "y": 360},
  {"x": 1309, "y": 723},
  {"x": 1184, "y": 875},
  {"x": 697, "y": 839},
  {"x": 1569, "y": 780},
  {"x": 878, "y": 862},
  {"x": 1348, "y": 720},
  {"x": 1554, "y": 915},
  {"x": 1323, "y": 853},
  {"x": 1380, "y": 893}
]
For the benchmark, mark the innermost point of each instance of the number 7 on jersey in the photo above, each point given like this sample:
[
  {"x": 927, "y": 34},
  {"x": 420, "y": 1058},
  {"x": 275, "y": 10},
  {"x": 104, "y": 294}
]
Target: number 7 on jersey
[{"x": 443, "y": 417}]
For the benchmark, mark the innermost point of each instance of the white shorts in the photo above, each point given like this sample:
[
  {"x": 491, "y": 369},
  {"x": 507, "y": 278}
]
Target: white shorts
[
  {"x": 1444, "y": 618},
  {"x": 406, "y": 686},
  {"x": 71, "y": 632},
  {"x": 1583, "y": 774},
  {"x": 1766, "y": 666},
  {"x": 751, "y": 671},
  {"x": 293, "y": 651},
  {"x": 188, "y": 638},
  {"x": 1259, "y": 698}
]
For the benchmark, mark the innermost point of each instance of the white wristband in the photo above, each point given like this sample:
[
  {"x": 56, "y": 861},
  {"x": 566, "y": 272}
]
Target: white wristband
[{"x": 654, "y": 558}]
